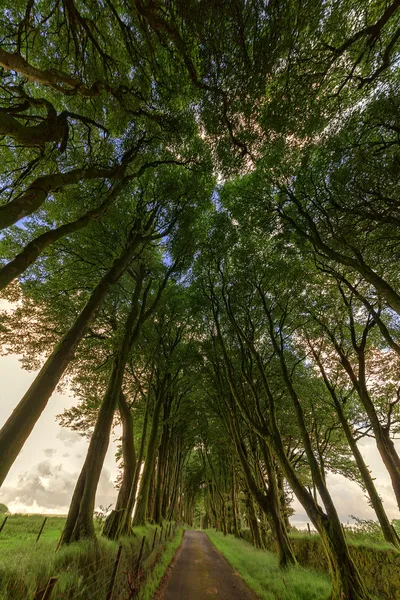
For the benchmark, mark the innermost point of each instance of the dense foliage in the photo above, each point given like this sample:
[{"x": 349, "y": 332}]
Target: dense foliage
[{"x": 199, "y": 214}]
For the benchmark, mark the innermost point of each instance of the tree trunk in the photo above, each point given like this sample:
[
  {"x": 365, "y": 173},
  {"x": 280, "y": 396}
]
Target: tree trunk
[
  {"x": 143, "y": 498},
  {"x": 30, "y": 253},
  {"x": 79, "y": 522},
  {"x": 161, "y": 466},
  {"x": 111, "y": 524},
  {"x": 384, "y": 289},
  {"x": 390, "y": 458},
  {"x": 224, "y": 523},
  {"x": 18, "y": 427},
  {"x": 346, "y": 580},
  {"x": 269, "y": 503},
  {"x": 388, "y": 531},
  {"x": 253, "y": 523},
  {"x": 52, "y": 129},
  {"x": 170, "y": 478},
  {"x": 125, "y": 518},
  {"x": 35, "y": 195},
  {"x": 283, "y": 502},
  {"x": 51, "y": 77},
  {"x": 220, "y": 495},
  {"x": 172, "y": 514},
  {"x": 384, "y": 443},
  {"x": 234, "y": 510},
  {"x": 212, "y": 504},
  {"x": 285, "y": 551},
  {"x": 347, "y": 583},
  {"x": 150, "y": 501}
]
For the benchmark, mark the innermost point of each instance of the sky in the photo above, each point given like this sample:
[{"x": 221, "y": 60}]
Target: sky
[{"x": 43, "y": 477}]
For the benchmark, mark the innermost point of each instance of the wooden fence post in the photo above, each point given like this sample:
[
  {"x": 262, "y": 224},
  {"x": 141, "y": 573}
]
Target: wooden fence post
[
  {"x": 48, "y": 591},
  {"x": 140, "y": 555},
  {"x": 308, "y": 527},
  {"x": 3, "y": 523},
  {"x": 41, "y": 529},
  {"x": 59, "y": 541},
  {"x": 114, "y": 573},
  {"x": 154, "y": 540}
]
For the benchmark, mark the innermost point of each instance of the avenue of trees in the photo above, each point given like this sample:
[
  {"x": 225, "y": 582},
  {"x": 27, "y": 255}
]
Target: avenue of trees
[{"x": 199, "y": 212}]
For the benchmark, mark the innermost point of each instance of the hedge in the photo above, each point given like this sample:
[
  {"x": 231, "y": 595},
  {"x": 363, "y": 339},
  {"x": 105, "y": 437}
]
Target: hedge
[{"x": 379, "y": 567}]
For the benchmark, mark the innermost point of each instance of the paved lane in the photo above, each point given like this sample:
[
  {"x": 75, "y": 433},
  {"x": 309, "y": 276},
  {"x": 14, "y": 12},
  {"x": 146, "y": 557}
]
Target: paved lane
[{"x": 200, "y": 572}]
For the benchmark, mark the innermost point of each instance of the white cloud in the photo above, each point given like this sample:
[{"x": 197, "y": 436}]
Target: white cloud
[
  {"x": 44, "y": 484},
  {"x": 349, "y": 498},
  {"x": 48, "y": 487}
]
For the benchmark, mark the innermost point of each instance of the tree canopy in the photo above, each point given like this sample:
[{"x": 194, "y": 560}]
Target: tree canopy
[{"x": 199, "y": 213}]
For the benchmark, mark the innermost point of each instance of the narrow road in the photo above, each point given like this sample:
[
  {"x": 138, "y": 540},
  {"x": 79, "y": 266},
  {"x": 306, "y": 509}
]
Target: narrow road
[{"x": 201, "y": 572}]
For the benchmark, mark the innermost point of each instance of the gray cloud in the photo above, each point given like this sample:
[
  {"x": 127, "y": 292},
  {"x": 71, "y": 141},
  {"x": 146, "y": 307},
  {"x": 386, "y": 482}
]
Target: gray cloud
[
  {"x": 51, "y": 486},
  {"x": 69, "y": 437},
  {"x": 49, "y": 452}
]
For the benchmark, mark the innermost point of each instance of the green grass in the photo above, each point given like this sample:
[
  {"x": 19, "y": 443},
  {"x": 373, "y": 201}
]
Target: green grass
[
  {"x": 352, "y": 538},
  {"x": 157, "y": 572},
  {"x": 260, "y": 570},
  {"x": 23, "y": 562},
  {"x": 83, "y": 569},
  {"x": 366, "y": 542},
  {"x": 26, "y": 528}
]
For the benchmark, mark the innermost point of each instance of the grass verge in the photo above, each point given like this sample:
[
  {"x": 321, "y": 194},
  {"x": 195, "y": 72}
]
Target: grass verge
[
  {"x": 84, "y": 568},
  {"x": 158, "y": 570},
  {"x": 260, "y": 570}
]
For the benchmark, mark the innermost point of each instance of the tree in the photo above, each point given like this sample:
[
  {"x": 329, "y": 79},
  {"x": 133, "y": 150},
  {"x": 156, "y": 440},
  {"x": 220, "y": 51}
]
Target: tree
[{"x": 253, "y": 148}]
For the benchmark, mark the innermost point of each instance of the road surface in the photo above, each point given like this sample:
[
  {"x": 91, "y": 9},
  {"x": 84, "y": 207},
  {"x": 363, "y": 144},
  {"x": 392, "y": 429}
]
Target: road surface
[{"x": 200, "y": 572}]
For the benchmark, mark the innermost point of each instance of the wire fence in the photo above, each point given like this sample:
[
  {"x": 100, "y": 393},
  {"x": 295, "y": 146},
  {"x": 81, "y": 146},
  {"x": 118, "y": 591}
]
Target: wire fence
[{"x": 117, "y": 577}]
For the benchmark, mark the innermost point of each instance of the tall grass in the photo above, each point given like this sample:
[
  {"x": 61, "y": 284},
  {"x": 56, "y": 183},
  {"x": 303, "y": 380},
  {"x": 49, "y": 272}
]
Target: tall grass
[
  {"x": 157, "y": 571},
  {"x": 260, "y": 569},
  {"x": 26, "y": 527},
  {"x": 83, "y": 569},
  {"x": 24, "y": 564}
]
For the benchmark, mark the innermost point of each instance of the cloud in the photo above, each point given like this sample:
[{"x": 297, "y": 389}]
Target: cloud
[
  {"x": 50, "y": 452},
  {"x": 349, "y": 499},
  {"x": 45, "y": 484},
  {"x": 69, "y": 437},
  {"x": 49, "y": 488}
]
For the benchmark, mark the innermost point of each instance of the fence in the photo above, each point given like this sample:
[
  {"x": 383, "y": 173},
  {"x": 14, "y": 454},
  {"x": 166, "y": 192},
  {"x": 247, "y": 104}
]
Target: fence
[
  {"x": 121, "y": 576},
  {"x": 30, "y": 526}
]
